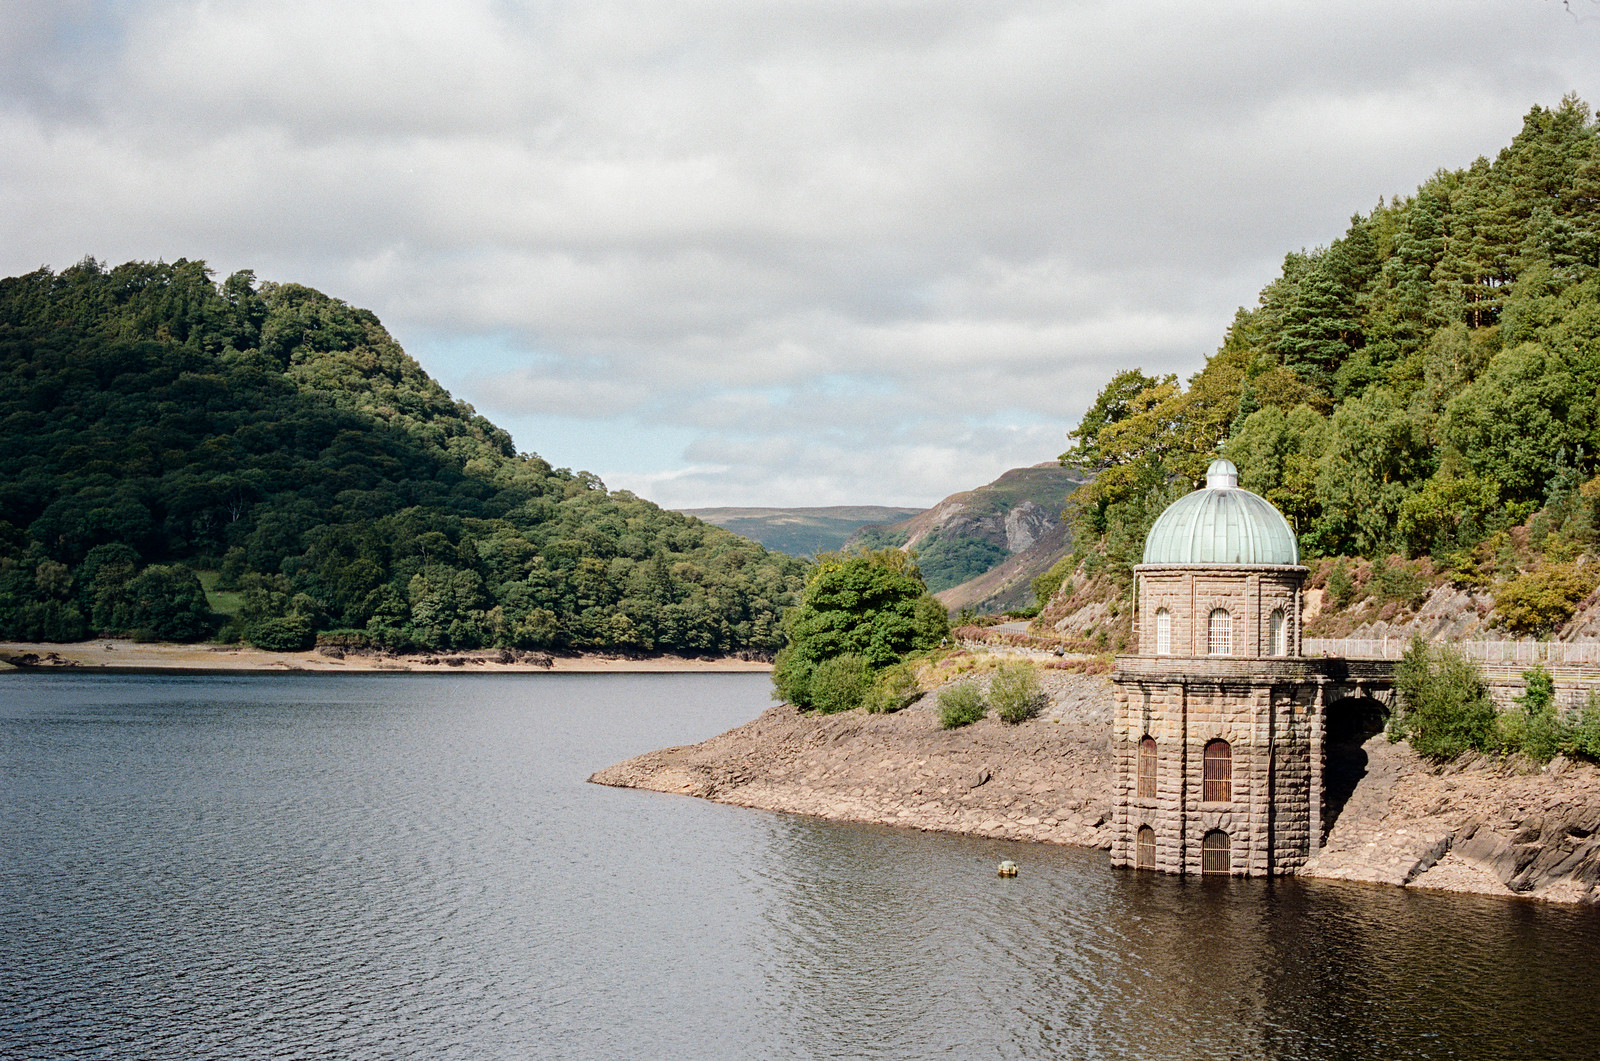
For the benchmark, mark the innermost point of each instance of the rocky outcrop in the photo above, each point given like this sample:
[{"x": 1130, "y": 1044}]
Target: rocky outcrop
[
  {"x": 1019, "y": 513},
  {"x": 1010, "y": 585},
  {"x": 1448, "y": 613},
  {"x": 1026, "y": 523},
  {"x": 1479, "y": 824}
]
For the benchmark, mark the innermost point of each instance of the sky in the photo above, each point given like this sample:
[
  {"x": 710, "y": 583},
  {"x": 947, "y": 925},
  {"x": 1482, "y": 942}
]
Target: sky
[{"x": 750, "y": 252}]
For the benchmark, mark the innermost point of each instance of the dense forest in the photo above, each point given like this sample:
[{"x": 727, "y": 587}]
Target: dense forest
[
  {"x": 182, "y": 459},
  {"x": 1428, "y": 384}
]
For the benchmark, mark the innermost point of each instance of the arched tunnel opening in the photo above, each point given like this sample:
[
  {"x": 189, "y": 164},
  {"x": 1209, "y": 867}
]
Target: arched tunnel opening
[{"x": 1348, "y": 724}]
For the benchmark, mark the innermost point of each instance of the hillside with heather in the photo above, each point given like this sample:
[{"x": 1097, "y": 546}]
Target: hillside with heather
[
  {"x": 182, "y": 459},
  {"x": 1421, "y": 398},
  {"x": 963, "y": 543}
]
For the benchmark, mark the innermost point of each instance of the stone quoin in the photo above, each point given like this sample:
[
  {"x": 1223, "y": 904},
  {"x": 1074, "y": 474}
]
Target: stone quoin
[{"x": 1220, "y": 740}]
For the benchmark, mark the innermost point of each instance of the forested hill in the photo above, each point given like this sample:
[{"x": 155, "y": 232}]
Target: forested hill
[
  {"x": 157, "y": 428},
  {"x": 1427, "y": 384}
]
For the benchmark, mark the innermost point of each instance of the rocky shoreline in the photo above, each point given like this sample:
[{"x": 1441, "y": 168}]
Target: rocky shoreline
[
  {"x": 1046, "y": 780},
  {"x": 1483, "y": 825}
]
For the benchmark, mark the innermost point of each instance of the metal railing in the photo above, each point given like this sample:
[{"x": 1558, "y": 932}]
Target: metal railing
[{"x": 1529, "y": 652}]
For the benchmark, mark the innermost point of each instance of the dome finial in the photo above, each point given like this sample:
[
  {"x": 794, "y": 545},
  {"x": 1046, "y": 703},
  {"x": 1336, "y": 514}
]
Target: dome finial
[{"x": 1222, "y": 475}]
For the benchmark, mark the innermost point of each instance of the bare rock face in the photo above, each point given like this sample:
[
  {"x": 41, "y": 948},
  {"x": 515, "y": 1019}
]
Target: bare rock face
[
  {"x": 1026, "y": 524},
  {"x": 1447, "y": 614},
  {"x": 1479, "y": 824}
]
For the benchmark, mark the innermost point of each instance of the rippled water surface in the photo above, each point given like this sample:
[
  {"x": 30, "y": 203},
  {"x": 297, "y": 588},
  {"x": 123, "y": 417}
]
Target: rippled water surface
[{"x": 412, "y": 866}]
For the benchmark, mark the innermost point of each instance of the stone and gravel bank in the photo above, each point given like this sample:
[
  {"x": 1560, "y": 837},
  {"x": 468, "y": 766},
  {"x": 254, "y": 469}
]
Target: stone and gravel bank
[
  {"x": 1046, "y": 780},
  {"x": 1477, "y": 825}
]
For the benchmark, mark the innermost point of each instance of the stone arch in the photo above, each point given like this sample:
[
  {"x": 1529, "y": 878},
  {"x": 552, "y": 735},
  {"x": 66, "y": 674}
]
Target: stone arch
[
  {"x": 1216, "y": 853},
  {"x": 1348, "y": 723},
  {"x": 1144, "y": 848}
]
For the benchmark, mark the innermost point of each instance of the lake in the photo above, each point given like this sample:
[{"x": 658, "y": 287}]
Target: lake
[{"x": 397, "y": 866}]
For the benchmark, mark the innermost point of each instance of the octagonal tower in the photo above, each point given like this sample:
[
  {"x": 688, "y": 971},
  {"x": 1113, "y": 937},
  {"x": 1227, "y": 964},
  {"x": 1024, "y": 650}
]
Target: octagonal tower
[{"x": 1217, "y": 740}]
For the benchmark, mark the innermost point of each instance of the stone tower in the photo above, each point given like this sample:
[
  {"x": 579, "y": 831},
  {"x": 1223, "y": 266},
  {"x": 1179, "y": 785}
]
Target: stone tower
[{"x": 1217, "y": 742}]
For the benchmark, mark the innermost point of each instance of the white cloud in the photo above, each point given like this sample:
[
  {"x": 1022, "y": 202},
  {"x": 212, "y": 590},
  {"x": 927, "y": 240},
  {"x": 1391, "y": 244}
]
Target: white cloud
[{"x": 829, "y": 249}]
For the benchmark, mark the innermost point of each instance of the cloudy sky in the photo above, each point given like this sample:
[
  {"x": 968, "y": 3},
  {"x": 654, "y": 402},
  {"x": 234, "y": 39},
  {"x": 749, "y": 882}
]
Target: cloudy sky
[{"x": 749, "y": 252}]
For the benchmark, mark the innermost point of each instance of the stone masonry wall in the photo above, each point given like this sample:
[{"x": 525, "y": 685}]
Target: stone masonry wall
[
  {"x": 1191, "y": 593},
  {"x": 1269, "y": 728}
]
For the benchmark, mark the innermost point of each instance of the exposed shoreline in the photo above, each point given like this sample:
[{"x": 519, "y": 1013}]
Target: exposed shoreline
[
  {"x": 121, "y": 656},
  {"x": 1045, "y": 780},
  {"x": 1479, "y": 825}
]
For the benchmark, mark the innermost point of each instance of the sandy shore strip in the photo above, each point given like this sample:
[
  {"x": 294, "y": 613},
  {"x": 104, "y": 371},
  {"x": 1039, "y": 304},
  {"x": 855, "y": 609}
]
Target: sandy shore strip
[{"x": 120, "y": 655}]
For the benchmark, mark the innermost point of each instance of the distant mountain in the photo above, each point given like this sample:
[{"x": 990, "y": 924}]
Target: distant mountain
[
  {"x": 799, "y": 531},
  {"x": 1008, "y": 586},
  {"x": 981, "y": 547}
]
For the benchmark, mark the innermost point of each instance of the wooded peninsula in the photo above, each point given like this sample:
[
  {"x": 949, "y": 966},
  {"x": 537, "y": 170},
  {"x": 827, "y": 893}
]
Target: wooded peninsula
[{"x": 184, "y": 460}]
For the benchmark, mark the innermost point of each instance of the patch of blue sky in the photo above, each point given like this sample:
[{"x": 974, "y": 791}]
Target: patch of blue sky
[
  {"x": 460, "y": 356},
  {"x": 603, "y": 446}
]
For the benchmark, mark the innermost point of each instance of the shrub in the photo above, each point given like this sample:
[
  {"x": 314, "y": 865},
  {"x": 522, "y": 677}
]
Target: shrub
[
  {"x": 791, "y": 677},
  {"x": 1583, "y": 736},
  {"x": 895, "y": 688},
  {"x": 1445, "y": 704},
  {"x": 840, "y": 684},
  {"x": 961, "y": 705},
  {"x": 1395, "y": 580},
  {"x": 1044, "y": 586},
  {"x": 1341, "y": 587},
  {"x": 1015, "y": 693},
  {"x": 291, "y": 633},
  {"x": 1541, "y": 601},
  {"x": 1535, "y": 730}
]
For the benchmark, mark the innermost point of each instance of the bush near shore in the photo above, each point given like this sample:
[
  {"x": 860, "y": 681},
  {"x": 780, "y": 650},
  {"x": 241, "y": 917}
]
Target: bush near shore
[{"x": 1445, "y": 711}]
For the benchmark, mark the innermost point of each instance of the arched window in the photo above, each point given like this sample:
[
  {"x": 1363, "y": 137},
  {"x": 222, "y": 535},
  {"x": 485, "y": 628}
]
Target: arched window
[
  {"x": 1216, "y": 785},
  {"x": 1147, "y": 769},
  {"x": 1163, "y": 632},
  {"x": 1144, "y": 848},
  {"x": 1277, "y": 634},
  {"x": 1215, "y": 854},
  {"x": 1220, "y": 633}
]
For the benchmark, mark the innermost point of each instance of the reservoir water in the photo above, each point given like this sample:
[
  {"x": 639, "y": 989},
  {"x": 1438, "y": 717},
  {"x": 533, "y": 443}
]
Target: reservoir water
[{"x": 308, "y": 866}]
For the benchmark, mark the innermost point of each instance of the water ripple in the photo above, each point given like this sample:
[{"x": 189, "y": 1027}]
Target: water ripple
[{"x": 383, "y": 867}]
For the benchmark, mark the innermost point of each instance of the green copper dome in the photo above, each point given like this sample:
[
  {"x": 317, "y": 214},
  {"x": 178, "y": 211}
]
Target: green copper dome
[{"x": 1221, "y": 524}]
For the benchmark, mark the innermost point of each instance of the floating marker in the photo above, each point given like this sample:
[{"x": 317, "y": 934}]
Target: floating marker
[{"x": 1008, "y": 868}]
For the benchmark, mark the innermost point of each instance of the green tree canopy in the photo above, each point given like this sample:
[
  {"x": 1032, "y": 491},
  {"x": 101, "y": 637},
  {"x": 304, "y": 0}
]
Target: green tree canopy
[
  {"x": 872, "y": 606},
  {"x": 157, "y": 424}
]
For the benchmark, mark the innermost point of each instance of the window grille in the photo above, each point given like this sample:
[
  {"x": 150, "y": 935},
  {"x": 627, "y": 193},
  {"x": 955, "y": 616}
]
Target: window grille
[
  {"x": 1278, "y": 634},
  {"x": 1215, "y": 853},
  {"x": 1147, "y": 769},
  {"x": 1220, "y": 633},
  {"x": 1217, "y": 783},
  {"x": 1163, "y": 632},
  {"x": 1144, "y": 848}
]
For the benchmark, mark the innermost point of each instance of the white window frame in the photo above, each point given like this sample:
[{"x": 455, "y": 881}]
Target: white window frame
[{"x": 1163, "y": 632}]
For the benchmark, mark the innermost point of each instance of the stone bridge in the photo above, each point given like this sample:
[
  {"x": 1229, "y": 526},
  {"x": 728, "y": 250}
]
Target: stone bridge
[{"x": 1575, "y": 668}]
